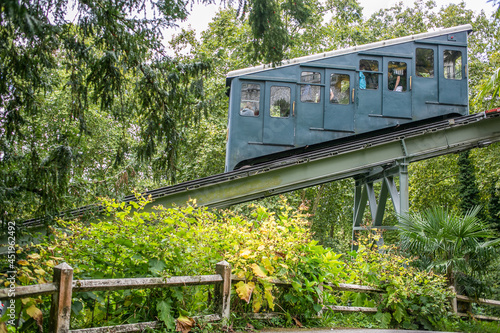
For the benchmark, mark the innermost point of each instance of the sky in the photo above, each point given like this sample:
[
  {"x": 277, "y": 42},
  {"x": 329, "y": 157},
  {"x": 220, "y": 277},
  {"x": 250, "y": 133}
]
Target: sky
[{"x": 202, "y": 15}]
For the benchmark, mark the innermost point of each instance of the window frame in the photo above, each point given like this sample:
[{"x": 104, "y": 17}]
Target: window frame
[
  {"x": 259, "y": 101},
  {"x": 417, "y": 72},
  {"x": 271, "y": 101}
]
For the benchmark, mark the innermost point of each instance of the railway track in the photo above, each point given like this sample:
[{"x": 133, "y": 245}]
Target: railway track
[{"x": 305, "y": 156}]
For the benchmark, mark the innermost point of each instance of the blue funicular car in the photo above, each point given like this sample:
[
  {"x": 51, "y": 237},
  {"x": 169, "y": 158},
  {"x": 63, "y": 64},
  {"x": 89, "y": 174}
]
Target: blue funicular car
[{"x": 327, "y": 96}]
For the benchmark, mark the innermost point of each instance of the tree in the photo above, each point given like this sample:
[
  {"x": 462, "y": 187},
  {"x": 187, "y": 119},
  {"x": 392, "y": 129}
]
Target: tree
[
  {"x": 449, "y": 242},
  {"x": 489, "y": 93},
  {"x": 58, "y": 73},
  {"x": 467, "y": 188},
  {"x": 275, "y": 23}
]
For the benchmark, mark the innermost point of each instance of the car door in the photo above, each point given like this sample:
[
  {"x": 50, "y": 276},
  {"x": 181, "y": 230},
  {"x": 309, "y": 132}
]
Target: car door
[
  {"x": 339, "y": 104},
  {"x": 279, "y": 114},
  {"x": 397, "y": 86}
]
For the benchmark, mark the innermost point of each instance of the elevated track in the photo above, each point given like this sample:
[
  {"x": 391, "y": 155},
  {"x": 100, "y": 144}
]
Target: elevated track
[{"x": 342, "y": 159}]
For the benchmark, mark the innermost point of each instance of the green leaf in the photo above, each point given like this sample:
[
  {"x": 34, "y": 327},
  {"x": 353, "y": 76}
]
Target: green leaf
[
  {"x": 359, "y": 299},
  {"x": 399, "y": 314},
  {"x": 76, "y": 307},
  {"x": 156, "y": 266},
  {"x": 164, "y": 309}
]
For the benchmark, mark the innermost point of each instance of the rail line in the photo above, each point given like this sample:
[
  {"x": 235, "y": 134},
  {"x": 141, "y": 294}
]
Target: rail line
[{"x": 322, "y": 163}]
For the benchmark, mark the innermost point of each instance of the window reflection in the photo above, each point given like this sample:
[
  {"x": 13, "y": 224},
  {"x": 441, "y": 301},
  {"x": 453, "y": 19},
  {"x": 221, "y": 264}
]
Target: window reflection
[
  {"x": 280, "y": 101},
  {"x": 250, "y": 100},
  {"x": 339, "y": 88},
  {"x": 452, "y": 64},
  {"x": 424, "y": 66},
  {"x": 310, "y": 93}
]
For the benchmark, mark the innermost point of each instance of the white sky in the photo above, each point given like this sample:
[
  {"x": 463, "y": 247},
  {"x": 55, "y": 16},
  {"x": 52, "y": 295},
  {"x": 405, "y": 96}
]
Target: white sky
[{"x": 202, "y": 15}]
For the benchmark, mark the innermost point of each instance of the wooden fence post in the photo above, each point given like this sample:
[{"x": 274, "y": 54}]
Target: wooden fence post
[
  {"x": 223, "y": 289},
  {"x": 60, "y": 309},
  {"x": 453, "y": 300}
]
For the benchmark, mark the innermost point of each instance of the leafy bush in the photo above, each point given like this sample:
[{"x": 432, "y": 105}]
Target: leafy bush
[
  {"x": 262, "y": 247},
  {"x": 412, "y": 299},
  {"x": 132, "y": 242}
]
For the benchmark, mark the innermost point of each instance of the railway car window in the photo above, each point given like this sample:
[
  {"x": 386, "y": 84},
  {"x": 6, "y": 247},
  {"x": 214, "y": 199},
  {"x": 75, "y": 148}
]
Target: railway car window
[
  {"x": 452, "y": 64},
  {"x": 424, "y": 66},
  {"x": 308, "y": 92},
  {"x": 339, "y": 88},
  {"x": 250, "y": 100},
  {"x": 280, "y": 101},
  {"x": 397, "y": 76},
  {"x": 368, "y": 80}
]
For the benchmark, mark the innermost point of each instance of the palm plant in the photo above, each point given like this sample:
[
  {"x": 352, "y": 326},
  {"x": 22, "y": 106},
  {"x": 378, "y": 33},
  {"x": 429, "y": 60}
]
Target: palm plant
[{"x": 448, "y": 242}]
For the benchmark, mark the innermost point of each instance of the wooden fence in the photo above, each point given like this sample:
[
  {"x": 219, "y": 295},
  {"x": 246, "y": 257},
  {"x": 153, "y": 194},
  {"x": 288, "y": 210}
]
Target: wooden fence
[{"x": 63, "y": 287}]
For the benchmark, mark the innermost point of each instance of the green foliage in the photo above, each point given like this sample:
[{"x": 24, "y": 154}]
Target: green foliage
[
  {"x": 262, "y": 248},
  {"x": 467, "y": 188},
  {"x": 413, "y": 299},
  {"x": 178, "y": 241},
  {"x": 274, "y": 23},
  {"x": 490, "y": 90},
  {"x": 431, "y": 184},
  {"x": 89, "y": 101},
  {"x": 280, "y": 247},
  {"x": 448, "y": 242},
  {"x": 330, "y": 210}
]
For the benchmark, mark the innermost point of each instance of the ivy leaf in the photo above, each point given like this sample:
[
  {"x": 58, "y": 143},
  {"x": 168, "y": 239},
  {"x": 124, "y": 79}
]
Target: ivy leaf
[
  {"x": 258, "y": 271},
  {"x": 34, "y": 256},
  {"x": 257, "y": 302},
  {"x": 36, "y": 314},
  {"x": 164, "y": 313},
  {"x": 399, "y": 314},
  {"x": 246, "y": 253},
  {"x": 384, "y": 318},
  {"x": 268, "y": 265},
  {"x": 244, "y": 290},
  {"x": 184, "y": 324},
  {"x": 76, "y": 307},
  {"x": 269, "y": 298},
  {"x": 359, "y": 300},
  {"x": 156, "y": 266}
]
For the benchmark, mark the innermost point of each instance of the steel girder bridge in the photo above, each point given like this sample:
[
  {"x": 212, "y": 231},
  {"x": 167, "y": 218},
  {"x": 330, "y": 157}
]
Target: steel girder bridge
[{"x": 382, "y": 157}]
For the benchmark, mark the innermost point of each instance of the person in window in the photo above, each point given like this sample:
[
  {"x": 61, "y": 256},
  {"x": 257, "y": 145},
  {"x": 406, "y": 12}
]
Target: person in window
[
  {"x": 306, "y": 94},
  {"x": 333, "y": 99},
  {"x": 362, "y": 78},
  {"x": 397, "y": 87},
  {"x": 248, "y": 110},
  {"x": 395, "y": 81}
]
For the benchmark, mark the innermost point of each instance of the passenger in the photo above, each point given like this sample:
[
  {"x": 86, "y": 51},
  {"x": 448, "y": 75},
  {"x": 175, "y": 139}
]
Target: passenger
[
  {"x": 362, "y": 78},
  {"x": 248, "y": 110},
  {"x": 397, "y": 87},
  {"x": 394, "y": 81},
  {"x": 306, "y": 94},
  {"x": 332, "y": 97}
]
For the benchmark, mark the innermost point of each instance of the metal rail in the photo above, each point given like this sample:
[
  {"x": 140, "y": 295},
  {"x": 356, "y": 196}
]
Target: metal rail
[{"x": 338, "y": 161}]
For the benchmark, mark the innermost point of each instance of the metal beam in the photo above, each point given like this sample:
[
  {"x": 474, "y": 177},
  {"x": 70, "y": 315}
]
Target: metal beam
[
  {"x": 305, "y": 171},
  {"x": 365, "y": 184},
  {"x": 362, "y": 154}
]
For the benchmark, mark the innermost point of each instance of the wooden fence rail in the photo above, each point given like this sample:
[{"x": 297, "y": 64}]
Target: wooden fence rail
[{"x": 63, "y": 287}]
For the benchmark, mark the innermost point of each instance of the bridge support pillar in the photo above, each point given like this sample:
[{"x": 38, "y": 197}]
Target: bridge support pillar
[{"x": 365, "y": 194}]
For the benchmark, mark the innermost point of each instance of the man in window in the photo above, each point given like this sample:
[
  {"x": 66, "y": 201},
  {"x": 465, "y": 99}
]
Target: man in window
[{"x": 362, "y": 78}]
